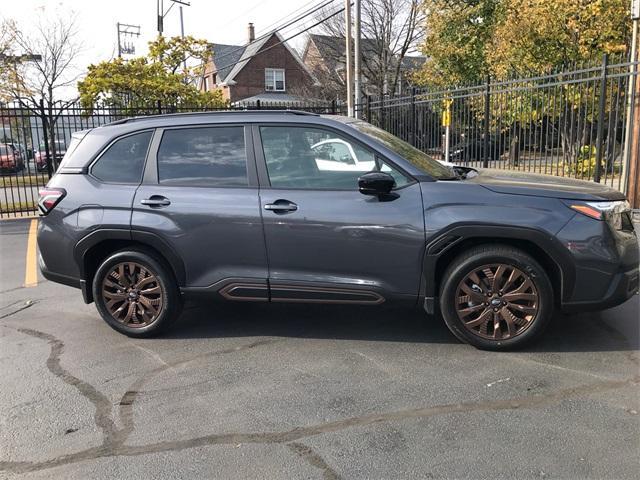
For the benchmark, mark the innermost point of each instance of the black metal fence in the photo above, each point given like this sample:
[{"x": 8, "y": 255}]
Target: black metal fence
[
  {"x": 570, "y": 123},
  {"x": 34, "y": 138}
]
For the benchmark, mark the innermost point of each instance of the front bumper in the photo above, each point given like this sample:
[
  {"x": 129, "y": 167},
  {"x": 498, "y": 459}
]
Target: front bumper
[
  {"x": 605, "y": 261},
  {"x": 623, "y": 286}
]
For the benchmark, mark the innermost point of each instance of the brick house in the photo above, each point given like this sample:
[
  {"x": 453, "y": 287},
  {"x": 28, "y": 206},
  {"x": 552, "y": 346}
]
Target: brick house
[
  {"x": 265, "y": 69},
  {"x": 324, "y": 55}
]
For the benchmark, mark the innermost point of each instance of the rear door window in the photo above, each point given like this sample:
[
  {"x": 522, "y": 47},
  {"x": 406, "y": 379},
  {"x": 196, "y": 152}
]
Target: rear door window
[
  {"x": 123, "y": 161},
  {"x": 203, "y": 157}
]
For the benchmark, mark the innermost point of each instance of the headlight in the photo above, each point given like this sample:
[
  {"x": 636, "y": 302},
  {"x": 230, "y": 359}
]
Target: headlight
[{"x": 610, "y": 212}]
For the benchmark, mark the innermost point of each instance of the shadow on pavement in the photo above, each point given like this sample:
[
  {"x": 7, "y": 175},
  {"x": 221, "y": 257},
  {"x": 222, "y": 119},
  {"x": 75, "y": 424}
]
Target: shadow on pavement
[{"x": 611, "y": 330}]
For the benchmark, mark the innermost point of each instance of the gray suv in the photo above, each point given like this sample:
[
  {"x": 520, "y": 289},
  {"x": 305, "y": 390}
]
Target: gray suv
[{"x": 295, "y": 207}]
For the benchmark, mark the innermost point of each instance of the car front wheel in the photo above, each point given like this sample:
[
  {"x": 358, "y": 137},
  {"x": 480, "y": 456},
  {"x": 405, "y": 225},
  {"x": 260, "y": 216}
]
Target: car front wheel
[
  {"x": 496, "y": 297},
  {"x": 136, "y": 294}
]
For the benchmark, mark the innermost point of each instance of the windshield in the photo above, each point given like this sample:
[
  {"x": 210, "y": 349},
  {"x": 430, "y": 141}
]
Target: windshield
[{"x": 410, "y": 153}]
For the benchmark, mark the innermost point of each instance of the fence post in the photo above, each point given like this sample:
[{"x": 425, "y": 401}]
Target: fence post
[
  {"x": 159, "y": 107},
  {"x": 45, "y": 132},
  {"x": 333, "y": 106},
  {"x": 601, "y": 114},
  {"x": 258, "y": 104},
  {"x": 369, "y": 108},
  {"x": 383, "y": 113},
  {"x": 487, "y": 114},
  {"x": 414, "y": 135}
]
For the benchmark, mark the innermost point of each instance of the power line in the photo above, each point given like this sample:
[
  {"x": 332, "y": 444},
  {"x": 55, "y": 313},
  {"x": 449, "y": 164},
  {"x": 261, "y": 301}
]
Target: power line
[
  {"x": 271, "y": 32},
  {"x": 337, "y": 12},
  {"x": 274, "y": 24}
]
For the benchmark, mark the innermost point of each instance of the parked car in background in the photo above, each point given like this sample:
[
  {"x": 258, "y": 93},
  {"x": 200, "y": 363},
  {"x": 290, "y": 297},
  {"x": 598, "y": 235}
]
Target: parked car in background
[
  {"x": 235, "y": 206},
  {"x": 40, "y": 156},
  {"x": 11, "y": 159},
  {"x": 26, "y": 152},
  {"x": 472, "y": 150}
]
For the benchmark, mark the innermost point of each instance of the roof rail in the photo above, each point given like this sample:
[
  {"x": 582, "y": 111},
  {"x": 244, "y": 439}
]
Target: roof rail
[{"x": 210, "y": 112}]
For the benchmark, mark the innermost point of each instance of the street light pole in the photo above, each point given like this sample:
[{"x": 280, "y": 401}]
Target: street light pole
[
  {"x": 358, "y": 55},
  {"x": 347, "y": 19}
]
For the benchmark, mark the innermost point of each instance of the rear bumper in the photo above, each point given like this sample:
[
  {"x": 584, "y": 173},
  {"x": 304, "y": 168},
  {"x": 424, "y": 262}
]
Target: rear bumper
[
  {"x": 623, "y": 286},
  {"x": 66, "y": 280}
]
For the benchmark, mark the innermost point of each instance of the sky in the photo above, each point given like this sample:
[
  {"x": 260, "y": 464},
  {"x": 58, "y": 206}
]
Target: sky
[{"x": 219, "y": 21}]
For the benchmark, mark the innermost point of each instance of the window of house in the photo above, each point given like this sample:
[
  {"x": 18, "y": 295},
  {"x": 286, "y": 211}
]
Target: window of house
[
  {"x": 205, "y": 83},
  {"x": 204, "y": 157},
  {"x": 274, "y": 79},
  {"x": 124, "y": 160}
]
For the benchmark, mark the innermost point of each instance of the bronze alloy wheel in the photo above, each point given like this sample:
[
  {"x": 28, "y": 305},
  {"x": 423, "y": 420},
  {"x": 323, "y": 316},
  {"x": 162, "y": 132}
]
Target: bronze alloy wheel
[
  {"x": 132, "y": 295},
  {"x": 497, "y": 301}
]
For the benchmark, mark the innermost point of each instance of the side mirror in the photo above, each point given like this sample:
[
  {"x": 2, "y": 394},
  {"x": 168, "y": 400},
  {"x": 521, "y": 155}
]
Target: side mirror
[{"x": 376, "y": 183}]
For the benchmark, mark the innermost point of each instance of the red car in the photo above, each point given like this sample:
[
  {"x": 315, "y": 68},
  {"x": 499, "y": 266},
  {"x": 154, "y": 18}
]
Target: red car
[
  {"x": 40, "y": 156},
  {"x": 11, "y": 160}
]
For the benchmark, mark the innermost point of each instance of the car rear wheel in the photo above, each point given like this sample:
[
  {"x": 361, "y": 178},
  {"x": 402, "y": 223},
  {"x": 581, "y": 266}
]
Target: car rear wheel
[
  {"x": 496, "y": 298},
  {"x": 136, "y": 294}
]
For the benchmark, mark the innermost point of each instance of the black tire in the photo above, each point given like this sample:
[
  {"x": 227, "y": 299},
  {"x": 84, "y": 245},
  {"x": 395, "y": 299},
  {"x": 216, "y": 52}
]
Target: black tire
[
  {"x": 509, "y": 334},
  {"x": 170, "y": 299}
]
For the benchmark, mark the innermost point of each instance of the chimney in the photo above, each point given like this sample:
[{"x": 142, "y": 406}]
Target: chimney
[{"x": 252, "y": 32}]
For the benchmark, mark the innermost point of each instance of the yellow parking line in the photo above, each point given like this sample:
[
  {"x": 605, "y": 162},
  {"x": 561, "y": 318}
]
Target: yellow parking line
[{"x": 31, "y": 268}]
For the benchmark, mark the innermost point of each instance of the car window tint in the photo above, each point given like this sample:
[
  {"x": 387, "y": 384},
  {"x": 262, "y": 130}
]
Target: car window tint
[
  {"x": 314, "y": 158},
  {"x": 123, "y": 161},
  {"x": 209, "y": 156}
]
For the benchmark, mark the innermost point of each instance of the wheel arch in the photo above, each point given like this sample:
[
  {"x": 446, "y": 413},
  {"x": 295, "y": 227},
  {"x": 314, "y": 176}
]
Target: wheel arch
[
  {"x": 95, "y": 247},
  {"x": 542, "y": 246}
]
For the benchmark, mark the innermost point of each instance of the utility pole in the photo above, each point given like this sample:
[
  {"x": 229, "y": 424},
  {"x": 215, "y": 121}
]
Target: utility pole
[
  {"x": 347, "y": 19},
  {"x": 184, "y": 61},
  {"x": 161, "y": 13},
  {"x": 631, "y": 154},
  {"x": 358, "y": 54}
]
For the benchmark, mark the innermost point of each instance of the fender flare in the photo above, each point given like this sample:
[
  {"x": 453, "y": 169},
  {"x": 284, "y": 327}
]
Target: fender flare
[
  {"x": 142, "y": 237},
  {"x": 455, "y": 234}
]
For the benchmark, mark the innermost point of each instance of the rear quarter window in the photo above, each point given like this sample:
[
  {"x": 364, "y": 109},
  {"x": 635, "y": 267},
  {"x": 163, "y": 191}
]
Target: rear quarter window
[{"x": 123, "y": 161}]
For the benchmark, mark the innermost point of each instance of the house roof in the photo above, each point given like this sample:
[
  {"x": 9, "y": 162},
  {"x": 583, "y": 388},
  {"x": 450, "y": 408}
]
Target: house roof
[
  {"x": 228, "y": 55},
  {"x": 332, "y": 49},
  {"x": 233, "y": 58},
  {"x": 414, "y": 62},
  {"x": 278, "y": 98}
]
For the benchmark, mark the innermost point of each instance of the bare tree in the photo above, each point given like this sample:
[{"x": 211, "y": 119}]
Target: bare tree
[
  {"x": 390, "y": 30},
  {"x": 44, "y": 73}
]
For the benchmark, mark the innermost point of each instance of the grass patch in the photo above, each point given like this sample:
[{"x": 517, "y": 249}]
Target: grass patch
[
  {"x": 23, "y": 180},
  {"x": 19, "y": 207}
]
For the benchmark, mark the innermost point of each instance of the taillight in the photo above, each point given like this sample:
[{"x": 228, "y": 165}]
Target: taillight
[{"x": 49, "y": 198}]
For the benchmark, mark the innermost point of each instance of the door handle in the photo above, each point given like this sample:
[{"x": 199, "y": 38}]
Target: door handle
[
  {"x": 156, "y": 201},
  {"x": 281, "y": 206}
]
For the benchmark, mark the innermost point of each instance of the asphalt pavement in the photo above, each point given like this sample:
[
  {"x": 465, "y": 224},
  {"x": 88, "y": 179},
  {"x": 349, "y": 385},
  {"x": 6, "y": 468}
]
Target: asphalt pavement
[{"x": 295, "y": 391}]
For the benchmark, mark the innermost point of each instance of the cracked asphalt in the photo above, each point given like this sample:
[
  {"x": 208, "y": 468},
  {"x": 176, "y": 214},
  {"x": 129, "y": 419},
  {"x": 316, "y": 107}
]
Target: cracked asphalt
[{"x": 292, "y": 391}]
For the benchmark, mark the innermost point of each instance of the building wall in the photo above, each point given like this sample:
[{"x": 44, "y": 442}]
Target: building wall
[{"x": 250, "y": 80}]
